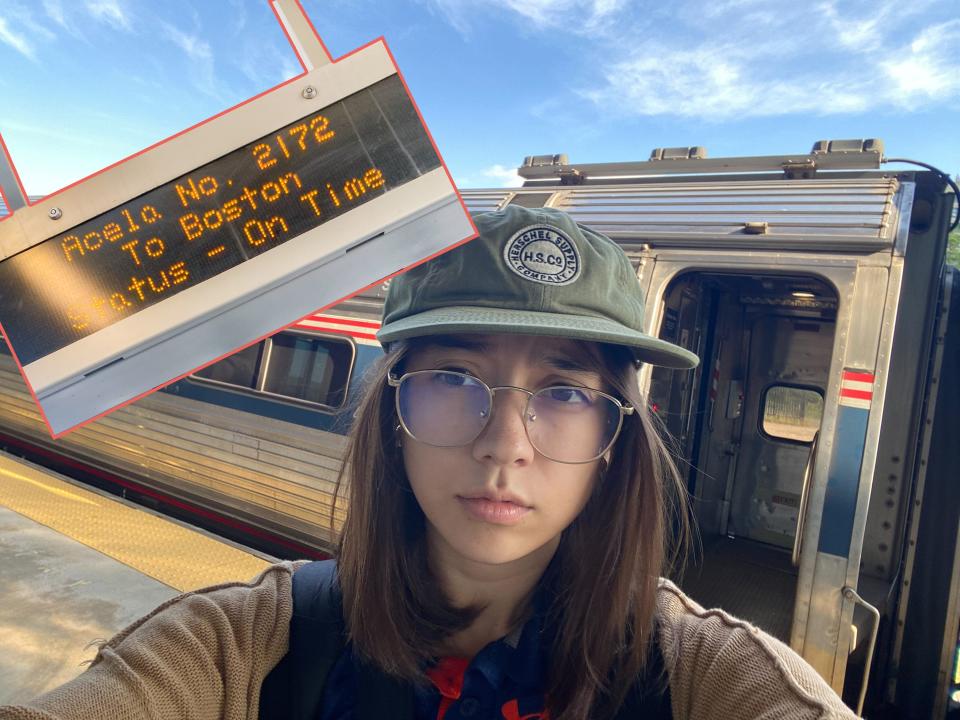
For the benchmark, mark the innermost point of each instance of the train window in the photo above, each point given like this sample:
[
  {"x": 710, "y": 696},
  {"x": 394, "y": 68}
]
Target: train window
[
  {"x": 239, "y": 369},
  {"x": 792, "y": 413},
  {"x": 308, "y": 368},
  {"x": 289, "y": 366}
]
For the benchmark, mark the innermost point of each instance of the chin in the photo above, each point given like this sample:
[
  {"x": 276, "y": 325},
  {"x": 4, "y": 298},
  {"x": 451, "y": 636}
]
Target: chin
[{"x": 497, "y": 547}]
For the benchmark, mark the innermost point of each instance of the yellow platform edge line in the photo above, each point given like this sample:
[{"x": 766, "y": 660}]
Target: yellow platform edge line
[{"x": 174, "y": 554}]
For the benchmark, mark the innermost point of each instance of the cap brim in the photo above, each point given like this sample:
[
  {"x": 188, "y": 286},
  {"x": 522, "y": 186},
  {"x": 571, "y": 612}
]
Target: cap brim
[{"x": 451, "y": 320}]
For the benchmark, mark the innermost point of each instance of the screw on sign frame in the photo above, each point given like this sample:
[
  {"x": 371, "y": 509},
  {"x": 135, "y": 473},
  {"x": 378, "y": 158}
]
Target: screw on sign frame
[{"x": 224, "y": 233}]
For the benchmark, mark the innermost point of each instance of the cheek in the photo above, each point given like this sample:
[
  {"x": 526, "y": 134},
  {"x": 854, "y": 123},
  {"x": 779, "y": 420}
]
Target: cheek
[
  {"x": 429, "y": 471},
  {"x": 570, "y": 491}
]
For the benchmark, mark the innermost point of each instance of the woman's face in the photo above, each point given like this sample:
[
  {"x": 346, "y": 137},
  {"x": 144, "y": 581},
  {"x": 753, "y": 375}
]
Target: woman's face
[{"x": 497, "y": 500}]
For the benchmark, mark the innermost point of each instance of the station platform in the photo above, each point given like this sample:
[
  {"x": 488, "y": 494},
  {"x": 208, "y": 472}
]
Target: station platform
[{"x": 77, "y": 565}]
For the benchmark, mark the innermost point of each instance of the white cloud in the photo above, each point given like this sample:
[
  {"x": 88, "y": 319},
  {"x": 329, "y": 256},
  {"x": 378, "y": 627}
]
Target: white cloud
[
  {"x": 193, "y": 46},
  {"x": 265, "y": 64},
  {"x": 587, "y": 16},
  {"x": 289, "y": 66},
  {"x": 718, "y": 59},
  {"x": 795, "y": 62},
  {"x": 928, "y": 68},
  {"x": 110, "y": 12},
  {"x": 711, "y": 83},
  {"x": 54, "y": 11},
  {"x": 503, "y": 176},
  {"x": 65, "y": 137},
  {"x": 15, "y": 40},
  {"x": 199, "y": 57},
  {"x": 239, "y": 15}
]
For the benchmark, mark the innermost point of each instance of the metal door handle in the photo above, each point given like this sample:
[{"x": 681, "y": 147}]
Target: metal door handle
[
  {"x": 851, "y": 594},
  {"x": 804, "y": 499}
]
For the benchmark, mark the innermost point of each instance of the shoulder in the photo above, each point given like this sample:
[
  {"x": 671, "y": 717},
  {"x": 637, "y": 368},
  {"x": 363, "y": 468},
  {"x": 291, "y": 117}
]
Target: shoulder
[
  {"x": 268, "y": 591},
  {"x": 263, "y": 602},
  {"x": 721, "y": 666},
  {"x": 208, "y": 650}
]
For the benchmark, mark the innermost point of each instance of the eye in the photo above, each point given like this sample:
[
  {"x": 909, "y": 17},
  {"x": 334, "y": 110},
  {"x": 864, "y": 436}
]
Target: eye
[
  {"x": 567, "y": 395},
  {"x": 454, "y": 378}
]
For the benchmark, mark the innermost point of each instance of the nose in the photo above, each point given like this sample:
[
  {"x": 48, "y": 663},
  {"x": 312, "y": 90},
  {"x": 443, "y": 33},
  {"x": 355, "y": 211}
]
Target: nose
[{"x": 504, "y": 440}]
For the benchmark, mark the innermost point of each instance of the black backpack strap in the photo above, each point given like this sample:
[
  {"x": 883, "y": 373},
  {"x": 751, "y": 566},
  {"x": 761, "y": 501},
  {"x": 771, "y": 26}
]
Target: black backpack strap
[
  {"x": 650, "y": 696},
  {"x": 294, "y": 688}
]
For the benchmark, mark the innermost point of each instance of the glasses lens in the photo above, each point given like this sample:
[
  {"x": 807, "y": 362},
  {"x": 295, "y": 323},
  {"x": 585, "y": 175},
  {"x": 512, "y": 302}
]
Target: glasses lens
[
  {"x": 571, "y": 424},
  {"x": 441, "y": 408}
]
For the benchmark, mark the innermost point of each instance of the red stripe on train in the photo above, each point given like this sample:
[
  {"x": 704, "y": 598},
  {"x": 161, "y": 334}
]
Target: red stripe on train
[
  {"x": 858, "y": 377},
  {"x": 344, "y": 321},
  {"x": 338, "y": 331},
  {"x": 858, "y": 394}
]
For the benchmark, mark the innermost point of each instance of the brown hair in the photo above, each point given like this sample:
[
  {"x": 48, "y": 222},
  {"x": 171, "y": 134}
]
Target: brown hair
[{"x": 602, "y": 582}]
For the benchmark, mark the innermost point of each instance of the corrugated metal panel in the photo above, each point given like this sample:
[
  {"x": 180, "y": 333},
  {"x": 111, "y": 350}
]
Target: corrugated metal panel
[
  {"x": 3, "y": 205},
  {"x": 251, "y": 467},
  {"x": 484, "y": 200},
  {"x": 833, "y": 213}
]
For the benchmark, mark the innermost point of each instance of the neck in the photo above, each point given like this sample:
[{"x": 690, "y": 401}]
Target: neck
[{"x": 502, "y": 590}]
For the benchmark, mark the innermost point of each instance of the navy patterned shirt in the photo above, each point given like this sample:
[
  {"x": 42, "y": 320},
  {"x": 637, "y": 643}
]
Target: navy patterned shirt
[{"x": 505, "y": 681}]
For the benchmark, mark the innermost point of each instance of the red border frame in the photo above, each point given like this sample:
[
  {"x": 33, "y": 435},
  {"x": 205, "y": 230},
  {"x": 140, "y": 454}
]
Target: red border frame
[{"x": 381, "y": 40}]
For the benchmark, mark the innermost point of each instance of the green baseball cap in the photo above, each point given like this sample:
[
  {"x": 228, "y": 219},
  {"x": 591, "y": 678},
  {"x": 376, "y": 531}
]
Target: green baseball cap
[{"x": 531, "y": 272}]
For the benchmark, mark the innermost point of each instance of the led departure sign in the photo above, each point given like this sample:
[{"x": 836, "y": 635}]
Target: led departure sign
[
  {"x": 222, "y": 234},
  {"x": 212, "y": 219}
]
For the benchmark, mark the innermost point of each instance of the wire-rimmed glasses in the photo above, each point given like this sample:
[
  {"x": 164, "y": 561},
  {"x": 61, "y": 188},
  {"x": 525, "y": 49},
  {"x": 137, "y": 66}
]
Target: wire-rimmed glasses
[{"x": 565, "y": 423}]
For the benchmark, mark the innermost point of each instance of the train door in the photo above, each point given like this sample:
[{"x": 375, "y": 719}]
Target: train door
[
  {"x": 787, "y": 362},
  {"x": 748, "y": 423},
  {"x": 779, "y": 429}
]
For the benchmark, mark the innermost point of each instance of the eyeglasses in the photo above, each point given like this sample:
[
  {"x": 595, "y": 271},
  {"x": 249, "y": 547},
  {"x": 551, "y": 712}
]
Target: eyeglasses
[{"x": 564, "y": 423}]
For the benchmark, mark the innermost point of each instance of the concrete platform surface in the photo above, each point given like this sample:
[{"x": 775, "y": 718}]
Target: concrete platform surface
[
  {"x": 78, "y": 565},
  {"x": 56, "y": 597}
]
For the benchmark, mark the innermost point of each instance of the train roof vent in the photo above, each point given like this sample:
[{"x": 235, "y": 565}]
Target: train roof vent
[
  {"x": 545, "y": 160},
  {"x": 694, "y": 152},
  {"x": 531, "y": 200},
  {"x": 478, "y": 201},
  {"x": 870, "y": 145}
]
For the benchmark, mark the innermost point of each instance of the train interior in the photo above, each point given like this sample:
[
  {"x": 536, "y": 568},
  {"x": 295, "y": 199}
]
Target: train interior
[{"x": 747, "y": 419}]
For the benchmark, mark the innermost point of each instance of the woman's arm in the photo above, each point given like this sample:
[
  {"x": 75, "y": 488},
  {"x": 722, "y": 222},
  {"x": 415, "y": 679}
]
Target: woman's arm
[
  {"x": 202, "y": 655},
  {"x": 721, "y": 667}
]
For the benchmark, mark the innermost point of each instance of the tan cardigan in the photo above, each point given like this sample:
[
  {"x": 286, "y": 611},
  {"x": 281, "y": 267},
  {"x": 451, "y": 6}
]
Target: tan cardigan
[{"x": 203, "y": 655}]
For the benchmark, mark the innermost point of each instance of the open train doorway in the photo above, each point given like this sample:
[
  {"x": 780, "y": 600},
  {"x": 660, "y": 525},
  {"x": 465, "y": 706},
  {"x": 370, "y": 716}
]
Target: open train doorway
[{"x": 748, "y": 421}]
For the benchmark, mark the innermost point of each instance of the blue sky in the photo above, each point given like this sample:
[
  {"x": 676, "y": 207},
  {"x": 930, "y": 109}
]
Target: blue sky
[{"x": 84, "y": 83}]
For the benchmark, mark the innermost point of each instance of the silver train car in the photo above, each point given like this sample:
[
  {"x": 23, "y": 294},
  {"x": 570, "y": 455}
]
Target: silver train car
[{"x": 814, "y": 437}]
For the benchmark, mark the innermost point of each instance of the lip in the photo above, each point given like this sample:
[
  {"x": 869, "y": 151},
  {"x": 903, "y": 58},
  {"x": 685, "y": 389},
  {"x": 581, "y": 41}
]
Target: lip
[{"x": 497, "y": 511}]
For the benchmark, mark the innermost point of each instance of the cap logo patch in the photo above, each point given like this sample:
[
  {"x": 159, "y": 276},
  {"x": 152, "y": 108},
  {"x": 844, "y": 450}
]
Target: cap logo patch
[{"x": 542, "y": 254}]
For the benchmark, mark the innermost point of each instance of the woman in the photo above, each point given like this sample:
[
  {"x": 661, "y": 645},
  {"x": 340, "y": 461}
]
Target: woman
[{"x": 508, "y": 524}]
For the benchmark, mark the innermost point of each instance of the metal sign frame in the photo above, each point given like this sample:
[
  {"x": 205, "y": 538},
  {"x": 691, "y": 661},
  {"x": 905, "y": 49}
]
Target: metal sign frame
[{"x": 326, "y": 264}]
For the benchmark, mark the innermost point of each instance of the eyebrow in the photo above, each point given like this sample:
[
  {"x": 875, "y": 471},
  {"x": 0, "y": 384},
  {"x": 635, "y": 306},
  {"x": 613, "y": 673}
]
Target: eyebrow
[{"x": 567, "y": 364}]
